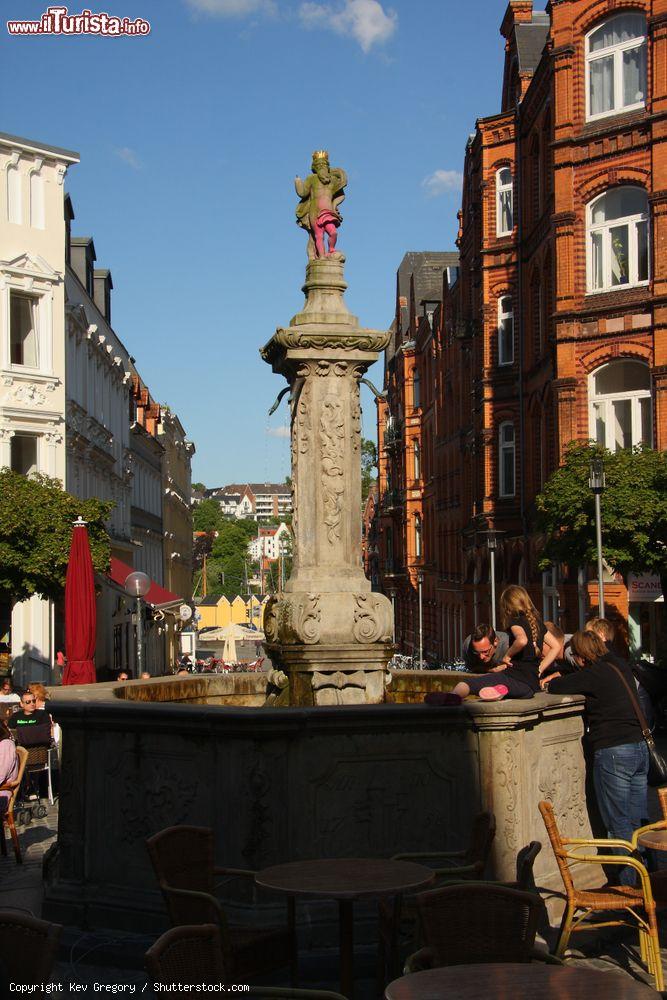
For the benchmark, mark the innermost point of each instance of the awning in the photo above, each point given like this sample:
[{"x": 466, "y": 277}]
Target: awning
[{"x": 157, "y": 596}]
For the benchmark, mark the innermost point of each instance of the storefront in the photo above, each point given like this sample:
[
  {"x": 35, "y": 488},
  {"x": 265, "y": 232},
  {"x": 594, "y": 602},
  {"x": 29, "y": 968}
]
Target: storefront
[{"x": 646, "y": 616}]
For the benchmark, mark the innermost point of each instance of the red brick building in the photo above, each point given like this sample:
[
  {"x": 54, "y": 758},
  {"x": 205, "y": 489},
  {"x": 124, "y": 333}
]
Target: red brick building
[{"x": 552, "y": 331}]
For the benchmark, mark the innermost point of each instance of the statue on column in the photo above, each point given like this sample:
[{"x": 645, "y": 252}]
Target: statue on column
[{"x": 317, "y": 212}]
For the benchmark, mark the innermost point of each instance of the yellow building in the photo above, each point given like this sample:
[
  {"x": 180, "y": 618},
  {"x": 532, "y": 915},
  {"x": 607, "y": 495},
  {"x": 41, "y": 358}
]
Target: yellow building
[
  {"x": 176, "y": 510},
  {"x": 217, "y": 611}
]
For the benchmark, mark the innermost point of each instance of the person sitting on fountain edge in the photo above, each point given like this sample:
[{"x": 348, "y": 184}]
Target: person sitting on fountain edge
[
  {"x": 519, "y": 675},
  {"x": 484, "y": 648}
]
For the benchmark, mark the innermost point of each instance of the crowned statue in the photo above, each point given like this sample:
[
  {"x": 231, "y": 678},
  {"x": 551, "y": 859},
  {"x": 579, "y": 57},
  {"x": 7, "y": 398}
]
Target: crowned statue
[{"x": 317, "y": 212}]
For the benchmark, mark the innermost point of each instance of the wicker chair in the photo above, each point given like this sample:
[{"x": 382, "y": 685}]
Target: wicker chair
[
  {"x": 183, "y": 860},
  {"x": 28, "y": 948},
  {"x": 8, "y": 817},
  {"x": 659, "y": 878},
  {"x": 398, "y": 917},
  {"x": 467, "y": 924},
  {"x": 581, "y": 903},
  {"x": 189, "y": 955}
]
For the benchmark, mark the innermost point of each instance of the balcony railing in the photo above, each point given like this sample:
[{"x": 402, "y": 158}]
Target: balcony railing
[
  {"x": 393, "y": 434},
  {"x": 392, "y": 500}
]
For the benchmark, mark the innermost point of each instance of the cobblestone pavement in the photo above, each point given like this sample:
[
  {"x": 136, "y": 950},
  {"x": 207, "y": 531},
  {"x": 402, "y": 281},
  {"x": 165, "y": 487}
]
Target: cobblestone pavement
[{"x": 612, "y": 951}]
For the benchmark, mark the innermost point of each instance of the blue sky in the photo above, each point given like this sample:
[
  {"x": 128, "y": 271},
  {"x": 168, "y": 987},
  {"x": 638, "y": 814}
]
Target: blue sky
[{"x": 190, "y": 138}]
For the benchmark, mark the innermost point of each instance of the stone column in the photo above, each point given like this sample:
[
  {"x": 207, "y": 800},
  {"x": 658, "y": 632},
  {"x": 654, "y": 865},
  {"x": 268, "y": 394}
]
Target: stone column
[{"x": 330, "y": 634}]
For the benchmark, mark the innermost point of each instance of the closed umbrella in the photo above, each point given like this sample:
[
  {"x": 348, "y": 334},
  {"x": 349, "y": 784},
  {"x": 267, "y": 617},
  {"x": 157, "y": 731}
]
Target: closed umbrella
[{"x": 80, "y": 610}]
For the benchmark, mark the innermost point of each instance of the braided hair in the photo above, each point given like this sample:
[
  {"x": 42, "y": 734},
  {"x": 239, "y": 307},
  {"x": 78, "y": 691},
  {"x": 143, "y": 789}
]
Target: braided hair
[{"x": 516, "y": 601}]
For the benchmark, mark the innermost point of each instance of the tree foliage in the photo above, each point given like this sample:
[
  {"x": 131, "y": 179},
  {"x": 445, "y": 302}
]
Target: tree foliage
[
  {"x": 227, "y": 556},
  {"x": 36, "y": 517},
  {"x": 369, "y": 461},
  {"x": 207, "y": 516},
  {"x": 633, "y": 507}
]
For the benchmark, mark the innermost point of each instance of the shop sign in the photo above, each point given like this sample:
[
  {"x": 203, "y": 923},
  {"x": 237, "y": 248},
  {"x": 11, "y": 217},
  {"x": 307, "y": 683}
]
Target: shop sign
[{"x": 644, "y": 587}]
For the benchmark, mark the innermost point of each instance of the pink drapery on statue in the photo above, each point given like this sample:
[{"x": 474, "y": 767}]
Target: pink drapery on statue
[{"x": 80, "y": 610}]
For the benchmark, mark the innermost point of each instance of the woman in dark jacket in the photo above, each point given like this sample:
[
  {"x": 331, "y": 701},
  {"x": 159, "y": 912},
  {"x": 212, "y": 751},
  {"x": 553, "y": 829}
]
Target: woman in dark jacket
[{"x": 620, "y": 753}]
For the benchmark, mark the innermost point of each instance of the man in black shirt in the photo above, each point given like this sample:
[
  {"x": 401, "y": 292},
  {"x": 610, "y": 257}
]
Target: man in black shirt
[{"x": 31, "y": 725}]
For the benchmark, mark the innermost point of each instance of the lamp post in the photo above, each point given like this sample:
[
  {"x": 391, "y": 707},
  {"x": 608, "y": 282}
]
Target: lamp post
[
  {"x": 137, "y": 585},
  {"x": 420, "y": 581},
  {"x": 597, "y": 483},
  {"x": 492, "y": 544}
]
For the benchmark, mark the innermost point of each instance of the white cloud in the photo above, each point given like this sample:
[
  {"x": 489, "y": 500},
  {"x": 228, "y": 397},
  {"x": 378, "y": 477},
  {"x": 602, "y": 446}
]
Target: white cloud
[
  {"x": 129, "y": 156},
  {"x": 232, "y": 8},
  {"x": 364, "y": 20},
  {"x": 441, "y": 181},
  {"x": 278, "y": 432}
]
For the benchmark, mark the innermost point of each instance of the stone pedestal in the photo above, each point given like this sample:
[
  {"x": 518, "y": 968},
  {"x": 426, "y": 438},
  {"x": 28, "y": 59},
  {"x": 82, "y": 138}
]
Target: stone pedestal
[{"x": 328, "y": 632}]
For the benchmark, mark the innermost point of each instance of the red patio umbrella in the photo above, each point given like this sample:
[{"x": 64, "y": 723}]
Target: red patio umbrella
[{"x": 80, "y": 610}]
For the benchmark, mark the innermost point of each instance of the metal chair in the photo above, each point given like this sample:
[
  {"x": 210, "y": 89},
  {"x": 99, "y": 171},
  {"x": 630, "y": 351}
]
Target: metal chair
[
  {"x": 39, "y": 760},
  {"x": 195, "y": 954},
  {"x": 581, "y": 903},
  {"x": 8, "y": 817},
  {"x": 183, "y": 861},
  {"x": 472, "y": 923},
  {"x": 28, "y": 948}
]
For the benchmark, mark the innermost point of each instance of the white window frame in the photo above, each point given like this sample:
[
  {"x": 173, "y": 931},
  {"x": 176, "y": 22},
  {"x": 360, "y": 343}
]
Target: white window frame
[
  {"x": 419, "y": 539},
  {"x": 503, "y": 448},
  {"x": 416, "y": 389},
  {"x": 608, "y": 399},
  {"x": 500, "y": 190},
  {"x": 504, "y": 316},
  {"x": 617, "y": 51},
  {"x": 632, "y": 222},
  {"x": 42, "y": 291}
]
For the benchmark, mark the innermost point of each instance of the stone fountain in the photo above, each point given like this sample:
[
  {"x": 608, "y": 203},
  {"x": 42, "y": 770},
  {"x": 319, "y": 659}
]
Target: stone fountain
[{"x": 330, "y": 634}]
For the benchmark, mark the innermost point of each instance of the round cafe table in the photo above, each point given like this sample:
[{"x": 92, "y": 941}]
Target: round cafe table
[
  {"x": 655, "y": 839},
  {"x": 346, "y": 880},
  {"x": 532, "y": 981}
]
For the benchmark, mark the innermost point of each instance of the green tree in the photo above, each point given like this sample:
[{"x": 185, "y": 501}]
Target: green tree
[
  {"x": 36, "y": 517},
  {"x": 198, "y": 488},
  {"x": 229, "y": 559},
  {"x": 369, "y": 461},
  {"x": 633, "y": 506},
  {"x": 207, "y": 516}
]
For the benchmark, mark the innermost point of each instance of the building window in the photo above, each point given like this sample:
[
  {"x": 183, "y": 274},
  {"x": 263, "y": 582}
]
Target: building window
[
  {"x": 506, "y": 459},
  {"x": 417, "y": 460},
  {"x": 620, "y": 405},
  {"x": 416, "y": 389},
  {"x": 504, "y": 202},
  {"x": 616, "y": 66},
  {"x": 23, "y": 331},
  {"x": 618, "y": 248},
  {"x": 14, "y": 205},
  {"x": 505, "y": 331},
  {"x": 418, "y": 537},
  {"x": 24, "y": 454}
]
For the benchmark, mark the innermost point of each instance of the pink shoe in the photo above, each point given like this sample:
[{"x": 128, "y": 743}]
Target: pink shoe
[{"x": 493, "y": 693}]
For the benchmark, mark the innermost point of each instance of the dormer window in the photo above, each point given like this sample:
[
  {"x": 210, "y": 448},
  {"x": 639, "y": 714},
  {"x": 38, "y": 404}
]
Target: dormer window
[{"x": 616, "y": 66}]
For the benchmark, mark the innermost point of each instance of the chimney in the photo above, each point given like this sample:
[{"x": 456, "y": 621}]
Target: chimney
[
  {"x": 69, "y": 215},
  {"x": 103, "y": 284},
  {"x": 82, "y": 250},
  {"x": 518, "y": 12}
]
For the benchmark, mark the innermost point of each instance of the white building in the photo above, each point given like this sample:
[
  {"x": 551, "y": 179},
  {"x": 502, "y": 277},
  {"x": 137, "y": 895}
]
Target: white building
[
  {"x": 261, "y": 501},
  {"x": 32, "y": 348},
  {"x": 271, "y": 543}
]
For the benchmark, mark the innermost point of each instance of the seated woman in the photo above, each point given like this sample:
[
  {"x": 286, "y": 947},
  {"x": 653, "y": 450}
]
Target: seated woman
[
  {"x": 620, "y": 754},
  {"x": 519, "y": 675},
  {"x": 9, "y": 764}
]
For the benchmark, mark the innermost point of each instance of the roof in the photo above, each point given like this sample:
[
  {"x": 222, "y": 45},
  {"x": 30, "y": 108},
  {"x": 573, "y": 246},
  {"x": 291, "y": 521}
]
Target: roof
[
  {"x": 426, "y": 267},
  {"x": 208, "y": 602},
  {"x": 157, "y": 596},
  {"x": 530, "y": 41},
  {"x": 39, "y": 147},
  {"x": 236, "y": 489}
]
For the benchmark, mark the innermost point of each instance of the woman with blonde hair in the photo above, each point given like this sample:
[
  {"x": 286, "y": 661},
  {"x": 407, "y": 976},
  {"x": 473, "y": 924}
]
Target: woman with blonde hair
[
  {"x": 620, "y": 754},
  {"x": 519, "y": 675}
]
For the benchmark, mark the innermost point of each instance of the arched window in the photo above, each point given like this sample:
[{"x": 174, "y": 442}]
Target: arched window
[
  {"x": 416, "y": 389},
  {"x": 506, "y": 459},
  {"x": 418, "y": 537},
  {"x": 505, "y": 330},
  {"x": 417, "y": 452},
  {"x": 36, "y": 200},
  {"x": 616, "y": 66},
  {"x": 620, "y": 405},
  {"x": 14, "y": 206},
  {"x": 504, "y": 202},
  {"x": 618, "y": 249}
]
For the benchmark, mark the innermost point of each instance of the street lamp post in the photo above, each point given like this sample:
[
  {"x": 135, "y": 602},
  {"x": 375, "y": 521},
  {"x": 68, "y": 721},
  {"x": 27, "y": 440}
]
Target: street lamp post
[
  {"x": 420, "y": 581},
  {"x": 137, "y": 585},
  {"x": 492, "y": 544},
  {"x": 597, "y": 483}
]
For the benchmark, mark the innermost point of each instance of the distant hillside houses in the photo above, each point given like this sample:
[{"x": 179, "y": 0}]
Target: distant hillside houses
[
  {"x": 271, "y": 543},
  {"x": 261, "y": 501}
]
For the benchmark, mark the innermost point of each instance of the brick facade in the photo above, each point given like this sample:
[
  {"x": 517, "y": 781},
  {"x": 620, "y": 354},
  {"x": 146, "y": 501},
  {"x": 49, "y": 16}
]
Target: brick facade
[{"x": 508, "y": 358}]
